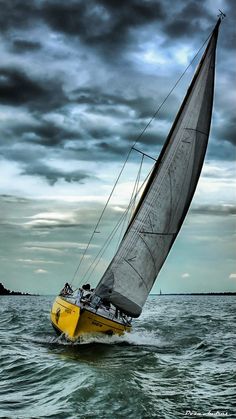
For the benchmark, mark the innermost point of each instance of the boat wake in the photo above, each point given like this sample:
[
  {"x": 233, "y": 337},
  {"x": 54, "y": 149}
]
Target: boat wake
[{"x": 135, "y": 338}]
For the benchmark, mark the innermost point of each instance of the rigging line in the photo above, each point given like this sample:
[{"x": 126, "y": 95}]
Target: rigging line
[
  {"x": 136, "y": 187},
  {"x": 126, "y": 216},
  {"x": 129, "y": 152},
  {"x": 101, "y": 215},
  {"x": 110, "y": 237},
  {"x": 95, "y": 229},
  {"x": 105, "y": 247},
  {"x": 145, "y": 154},
  {"x": 123, "y": 226},
  {"x": 108, "y": 240},
  {"x": 131, "y": 202}
]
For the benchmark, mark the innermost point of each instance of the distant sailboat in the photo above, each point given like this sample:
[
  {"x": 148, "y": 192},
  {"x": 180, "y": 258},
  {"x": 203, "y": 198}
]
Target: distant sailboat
[{"x": 123, "y": 289}]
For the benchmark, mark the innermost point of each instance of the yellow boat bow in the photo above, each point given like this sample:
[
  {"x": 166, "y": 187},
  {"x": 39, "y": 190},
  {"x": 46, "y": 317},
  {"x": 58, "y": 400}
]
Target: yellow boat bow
[{"x": 73, "y": 321}]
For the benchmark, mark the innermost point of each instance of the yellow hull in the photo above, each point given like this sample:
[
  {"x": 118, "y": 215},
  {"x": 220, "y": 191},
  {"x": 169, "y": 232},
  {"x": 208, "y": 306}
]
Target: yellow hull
[{"x": 70, "y": 319}]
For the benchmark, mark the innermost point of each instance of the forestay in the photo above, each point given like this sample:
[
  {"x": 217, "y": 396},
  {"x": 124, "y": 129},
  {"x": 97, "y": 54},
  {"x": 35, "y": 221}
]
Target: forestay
[{"x": 167, "y": 196}]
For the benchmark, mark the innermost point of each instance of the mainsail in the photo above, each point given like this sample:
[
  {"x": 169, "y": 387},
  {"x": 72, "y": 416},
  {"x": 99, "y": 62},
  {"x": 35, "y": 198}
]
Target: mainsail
[{"x": 166, "y": 198}]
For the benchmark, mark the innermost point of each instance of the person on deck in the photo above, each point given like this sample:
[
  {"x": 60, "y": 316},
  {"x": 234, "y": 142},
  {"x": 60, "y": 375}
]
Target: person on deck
[
  {"x": 66, "y": 290},
  {"x": 86, "y": 291},
  {"x": 106, "y": 303},
  {"x": 79, "y": 297}
]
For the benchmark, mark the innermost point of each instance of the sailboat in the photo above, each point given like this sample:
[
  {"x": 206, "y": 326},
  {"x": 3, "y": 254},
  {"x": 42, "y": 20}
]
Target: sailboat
[{"x": 124, "y": 287}]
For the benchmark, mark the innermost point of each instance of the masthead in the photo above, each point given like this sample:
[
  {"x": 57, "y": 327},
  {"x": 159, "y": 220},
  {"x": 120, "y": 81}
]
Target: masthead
[{"x": 221, "y": 15}]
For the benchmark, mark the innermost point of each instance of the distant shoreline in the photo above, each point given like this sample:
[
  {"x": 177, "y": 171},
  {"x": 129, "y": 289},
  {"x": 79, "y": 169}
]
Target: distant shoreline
[
  {"x": 5, "y": 291},
  {"x": 198, "y": 293}
]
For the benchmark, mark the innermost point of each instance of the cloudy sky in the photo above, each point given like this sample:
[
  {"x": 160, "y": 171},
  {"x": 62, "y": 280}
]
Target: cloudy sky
[{"x": 79, "y": 80}]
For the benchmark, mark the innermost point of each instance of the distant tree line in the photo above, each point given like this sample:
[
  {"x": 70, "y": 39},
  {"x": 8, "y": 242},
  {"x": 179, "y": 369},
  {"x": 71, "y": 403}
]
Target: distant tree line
[
  {"x": 200, "y": 293},
  {"x": 5, "y": 291}
]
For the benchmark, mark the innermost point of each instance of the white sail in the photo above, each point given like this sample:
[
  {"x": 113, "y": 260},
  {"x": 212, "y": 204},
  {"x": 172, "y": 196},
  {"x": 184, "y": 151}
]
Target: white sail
[{"x": 166, "y": 199}]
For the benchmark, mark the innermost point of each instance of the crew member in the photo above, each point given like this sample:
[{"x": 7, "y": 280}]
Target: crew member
[
  {"x": 86, "y": 291},
  {"x": 66, "y": 290},
  {"x": 79, "y": 297}
]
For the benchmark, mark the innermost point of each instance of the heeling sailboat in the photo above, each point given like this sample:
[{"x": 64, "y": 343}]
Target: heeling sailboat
[{"x": 156, "y": 221}]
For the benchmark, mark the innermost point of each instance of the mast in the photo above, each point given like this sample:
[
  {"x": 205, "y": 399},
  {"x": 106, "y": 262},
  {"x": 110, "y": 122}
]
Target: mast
[{"x": 167, "y": 196}]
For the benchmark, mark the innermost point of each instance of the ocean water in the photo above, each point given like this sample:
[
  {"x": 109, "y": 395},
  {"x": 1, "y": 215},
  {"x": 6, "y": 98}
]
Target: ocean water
[{"x": 178, "y": 362}]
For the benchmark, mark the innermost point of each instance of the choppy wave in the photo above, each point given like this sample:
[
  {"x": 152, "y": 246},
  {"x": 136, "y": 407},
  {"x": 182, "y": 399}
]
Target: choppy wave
[{"x": 178, "y": 358}]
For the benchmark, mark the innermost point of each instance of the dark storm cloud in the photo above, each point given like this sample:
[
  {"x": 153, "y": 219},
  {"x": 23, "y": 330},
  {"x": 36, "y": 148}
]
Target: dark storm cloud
[
  {"x": 104, "y": 24},
  {"x": 51, "y": 134},
  {"x": 187, "y": 20},
  {"x": 14, "y": 199},
  {"x": 24, "y": 45},
  {"x": 107, "y": 24},
  {"x": 18, "y": 88},
  {"x": 52, "y": 175},
  {"x": 112, "y": 148},
  {"x": 225, "y": 210},
  {"x": 179, "y": 28},
  {"x": 228, "y": 40},
  {"x": 117, "y": 105},
  {"x": 107, "y": 21},
  {"x": 15, "y": 14},
  {"x": 32, "y": 155},
  {"x": 104, "y": 30},
  {"x": 31, "y": 163},
  {"x": 221, "y": 150},
  {"x": 227, "y": 131},
  {"x": 39, "y": 132},
  {"x": 132, "y": 115},
  {"x": 46, "y": 226}
]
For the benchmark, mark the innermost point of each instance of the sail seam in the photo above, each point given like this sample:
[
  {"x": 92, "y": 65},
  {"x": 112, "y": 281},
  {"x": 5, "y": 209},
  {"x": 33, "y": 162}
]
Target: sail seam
[
  {"x": 158, "y": 234},
  {"x": 149, "y": 252},
  {"x": 171, "y": 198},
  {"x": 136, "y": 273},
  {"x": 197, "y": 130}
]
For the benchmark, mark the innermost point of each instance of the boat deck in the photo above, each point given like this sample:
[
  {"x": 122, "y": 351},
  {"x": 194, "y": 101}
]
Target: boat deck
[{"x": 102, "y": 311}]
